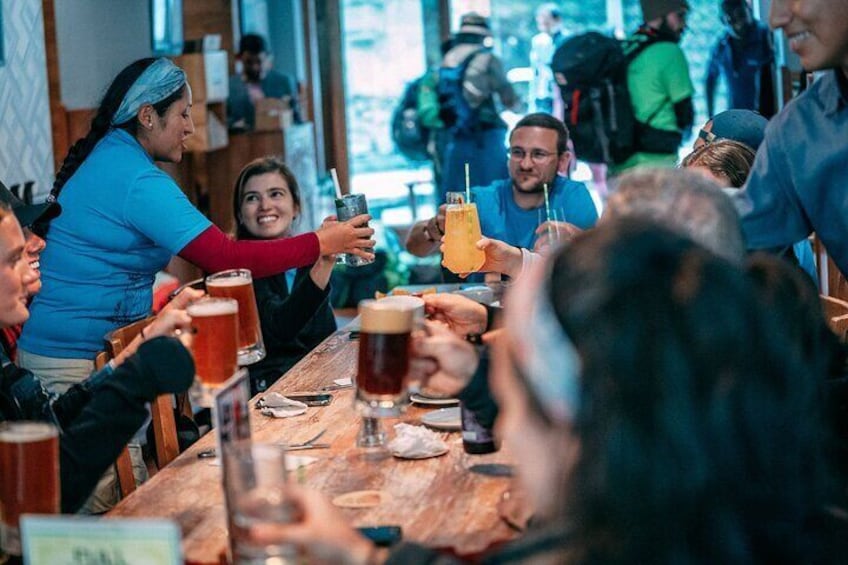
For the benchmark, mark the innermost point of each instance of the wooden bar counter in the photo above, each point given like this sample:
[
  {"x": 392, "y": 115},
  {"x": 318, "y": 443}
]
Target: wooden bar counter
[{"x": 438, "y": 502}]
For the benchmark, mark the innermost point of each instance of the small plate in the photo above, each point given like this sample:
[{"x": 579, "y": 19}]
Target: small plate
[
  {"x": 444, "y": 419},
  {"x": 430, "y": 401}
]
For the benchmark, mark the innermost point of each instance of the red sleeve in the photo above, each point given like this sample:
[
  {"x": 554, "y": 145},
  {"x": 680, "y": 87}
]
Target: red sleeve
[{"x": 213, "y": 251}]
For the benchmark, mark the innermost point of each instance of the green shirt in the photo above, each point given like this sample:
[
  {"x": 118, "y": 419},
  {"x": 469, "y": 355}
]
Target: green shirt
[{"x": 658, "y": 78}]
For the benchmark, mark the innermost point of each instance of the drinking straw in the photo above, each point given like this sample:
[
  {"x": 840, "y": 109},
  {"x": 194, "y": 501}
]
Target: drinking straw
[
  {"x": 467, "y": 184},
  {"x": 336, "y": 184},
  {"x": 548, "y": 212}
]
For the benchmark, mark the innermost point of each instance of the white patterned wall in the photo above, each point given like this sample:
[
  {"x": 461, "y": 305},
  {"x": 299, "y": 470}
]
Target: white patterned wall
[{"x": 26, "y": 146}]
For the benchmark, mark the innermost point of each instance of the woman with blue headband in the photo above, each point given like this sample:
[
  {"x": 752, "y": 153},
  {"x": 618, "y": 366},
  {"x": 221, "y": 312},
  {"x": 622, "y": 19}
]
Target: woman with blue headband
[
  {"x": 655, "y": 412},
  {"x": 124, "y": 218}
]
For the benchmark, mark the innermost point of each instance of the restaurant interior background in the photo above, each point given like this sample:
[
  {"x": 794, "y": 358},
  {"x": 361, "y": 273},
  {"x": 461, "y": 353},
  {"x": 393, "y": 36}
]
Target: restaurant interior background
[{"x": 352, "y": 59}]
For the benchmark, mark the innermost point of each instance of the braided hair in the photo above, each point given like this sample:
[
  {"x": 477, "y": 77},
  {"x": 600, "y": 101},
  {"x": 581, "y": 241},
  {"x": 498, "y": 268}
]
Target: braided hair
[{"x": 102, "y": 121}]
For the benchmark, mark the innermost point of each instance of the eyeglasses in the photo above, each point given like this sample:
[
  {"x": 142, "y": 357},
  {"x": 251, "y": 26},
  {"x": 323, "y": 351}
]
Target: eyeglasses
[{"x": 538, "y": 156}]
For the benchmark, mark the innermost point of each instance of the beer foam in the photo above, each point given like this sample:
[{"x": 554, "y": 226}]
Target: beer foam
[
  {"x": 379, "y": 317},
  {"x": 213, "y": 307},
  {"x": 238, "y": 280},
  {"x": 407, "y": 302},
  {"x": 25, "y": 432}
]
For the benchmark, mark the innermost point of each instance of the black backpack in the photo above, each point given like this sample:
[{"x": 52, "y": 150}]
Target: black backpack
[
  {"x": 409, "y": 135},
  {"x": 591, "y": 71},
  {"x": 454, "y": 110}
]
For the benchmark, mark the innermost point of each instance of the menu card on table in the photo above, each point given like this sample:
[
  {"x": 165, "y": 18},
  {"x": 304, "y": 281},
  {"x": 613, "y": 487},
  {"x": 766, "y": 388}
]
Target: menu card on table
[{"x": 71, "y": 539}]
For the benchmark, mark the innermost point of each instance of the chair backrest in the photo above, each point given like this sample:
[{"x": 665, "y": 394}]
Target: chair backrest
[
  {"x": 831, "y": 280},
  {"x": 162, "y": 413},
  {"x": 836, "y": 313},
  {"x": 123, "y": 464}
]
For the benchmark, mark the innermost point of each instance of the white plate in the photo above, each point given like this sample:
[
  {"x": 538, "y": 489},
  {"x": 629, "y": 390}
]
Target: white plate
[
  {"x": 429, "y": 401},
  {"x": 444, "y": 419}
]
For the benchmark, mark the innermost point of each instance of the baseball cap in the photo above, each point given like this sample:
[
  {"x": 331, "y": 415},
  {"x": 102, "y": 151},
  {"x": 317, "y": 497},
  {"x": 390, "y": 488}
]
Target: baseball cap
[
  {"x": 744, "y": 126},
  {"x": 28, "y": 214}
]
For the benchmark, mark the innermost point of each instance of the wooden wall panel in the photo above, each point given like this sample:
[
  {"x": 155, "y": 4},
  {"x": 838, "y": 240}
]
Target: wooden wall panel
[{"x": 202, "y": 17}]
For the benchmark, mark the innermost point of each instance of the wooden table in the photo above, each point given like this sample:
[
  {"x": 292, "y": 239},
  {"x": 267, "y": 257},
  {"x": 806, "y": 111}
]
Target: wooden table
[{"x": 438, "y": 502}]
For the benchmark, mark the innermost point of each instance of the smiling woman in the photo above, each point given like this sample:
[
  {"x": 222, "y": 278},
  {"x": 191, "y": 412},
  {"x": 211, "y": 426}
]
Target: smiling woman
[
  {"x": 294, "y": 308},
  {"x": 124, "y": 218}
]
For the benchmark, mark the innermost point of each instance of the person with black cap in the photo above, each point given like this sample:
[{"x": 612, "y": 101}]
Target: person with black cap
[
  {"x": 255, "y": 82},
  {"x": 660, "y": 86},
  {"x": 99, "y": 416},
  {"x": 743, "y": 56},
  {"x": 34, "y": 219},
  {"x": 469, "y": 78}
]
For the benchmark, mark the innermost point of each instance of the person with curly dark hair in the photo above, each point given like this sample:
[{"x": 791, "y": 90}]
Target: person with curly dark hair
[{"x": 653, "y": 412}]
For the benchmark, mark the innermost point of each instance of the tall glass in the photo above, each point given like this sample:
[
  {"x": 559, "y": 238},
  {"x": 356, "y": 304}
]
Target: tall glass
[
  {"x": 462, "y": 232},
  {"x": 347, "y": 207},
  {"x": 238, "y": 284},
  {"x": 214, "y": 346},
  {"x": 29, "y": 476},
  {"x": 255, "y": 486}
]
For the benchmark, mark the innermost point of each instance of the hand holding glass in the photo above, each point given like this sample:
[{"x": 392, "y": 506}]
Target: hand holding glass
[{"x": 462, "y": 232}]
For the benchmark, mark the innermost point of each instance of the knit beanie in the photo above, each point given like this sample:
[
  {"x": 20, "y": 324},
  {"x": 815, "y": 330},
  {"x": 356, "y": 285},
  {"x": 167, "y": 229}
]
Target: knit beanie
[{"x": 653, "y": 9}]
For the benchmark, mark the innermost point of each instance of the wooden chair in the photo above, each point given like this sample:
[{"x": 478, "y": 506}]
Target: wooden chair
[
  {"x": 123, "y": 464},
  {"x": 162, "y": 413},
  {"x": 831, "y": 280},
  {"x": 836, "y": 313}
]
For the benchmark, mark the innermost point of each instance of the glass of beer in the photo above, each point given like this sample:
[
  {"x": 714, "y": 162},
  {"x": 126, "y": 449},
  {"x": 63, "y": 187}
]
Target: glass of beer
[
  {"x": 238, "y": 284},
  {"x": 462, "y": 232},
  {"x": 214, "y": 346},
  {"x": 29, "y": 476}
]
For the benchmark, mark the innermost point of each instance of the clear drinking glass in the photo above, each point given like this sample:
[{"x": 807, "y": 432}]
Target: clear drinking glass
[
  {"x": 238, "y": 284},
  {"x": 256, "y": 491},
  {"x": 347, "y": 207},
  {"x": 462, "y": 232},
  {"x": 29, "y": 477},
  {"x": 383, "y": 368},
  {"x": 214, "y": 345}
]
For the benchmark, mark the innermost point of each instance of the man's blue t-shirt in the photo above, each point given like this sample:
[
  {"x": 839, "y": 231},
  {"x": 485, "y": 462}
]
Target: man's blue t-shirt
[
  {"x": 122, "y": 220},
  {"x": 501, "y": 218}
]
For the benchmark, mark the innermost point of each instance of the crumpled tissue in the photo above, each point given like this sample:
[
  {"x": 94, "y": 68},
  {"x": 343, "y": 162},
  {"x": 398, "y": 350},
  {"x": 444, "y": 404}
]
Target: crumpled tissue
[
  {"x": 416, "y": 442},
  {"x": 276, "y": 405}
]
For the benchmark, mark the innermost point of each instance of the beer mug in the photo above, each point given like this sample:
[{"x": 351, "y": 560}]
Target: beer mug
[
  {"x": 214, "y": 345},
  {"x": 238, "y": 284},
  {"x": 29, "y": 476},
  {"x": 384, "y": 351},
  {"x": 462, "y": 232}
]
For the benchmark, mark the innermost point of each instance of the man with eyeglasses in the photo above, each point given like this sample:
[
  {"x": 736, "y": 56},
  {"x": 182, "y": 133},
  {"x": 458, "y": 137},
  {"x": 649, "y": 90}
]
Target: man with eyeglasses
[
  {"x": 743, "y": 56},
  {"x": 660, "y": 86},
  {"x": 513, "y": 210}
]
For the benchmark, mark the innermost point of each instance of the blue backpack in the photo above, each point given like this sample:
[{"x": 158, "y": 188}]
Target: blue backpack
[{"x": 454, "y": 110}]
